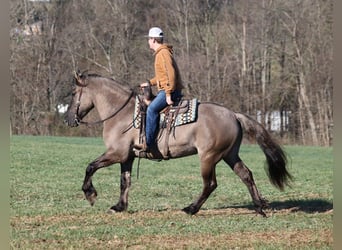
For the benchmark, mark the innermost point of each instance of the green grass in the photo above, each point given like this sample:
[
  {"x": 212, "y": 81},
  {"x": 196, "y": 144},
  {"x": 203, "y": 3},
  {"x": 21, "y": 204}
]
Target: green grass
[{"x": 48, "y": 209}]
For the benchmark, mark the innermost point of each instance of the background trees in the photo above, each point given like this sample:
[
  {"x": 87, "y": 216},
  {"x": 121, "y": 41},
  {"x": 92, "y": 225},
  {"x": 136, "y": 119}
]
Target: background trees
[{"x": 271, "y": 59}]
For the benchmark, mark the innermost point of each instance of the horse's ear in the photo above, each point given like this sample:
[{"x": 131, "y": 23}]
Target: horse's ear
[
  {"x": 80, "y": 81},
  {"x": 77, "y": 75},
  {"x": 85, "y": 73}
]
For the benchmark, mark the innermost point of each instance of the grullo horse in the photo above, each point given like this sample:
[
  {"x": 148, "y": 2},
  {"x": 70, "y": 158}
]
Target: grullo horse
[{"x": 215, "y": 135}]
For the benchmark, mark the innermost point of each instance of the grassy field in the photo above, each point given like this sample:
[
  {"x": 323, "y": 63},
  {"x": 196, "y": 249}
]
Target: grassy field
[{"x": 48, "y": 209}]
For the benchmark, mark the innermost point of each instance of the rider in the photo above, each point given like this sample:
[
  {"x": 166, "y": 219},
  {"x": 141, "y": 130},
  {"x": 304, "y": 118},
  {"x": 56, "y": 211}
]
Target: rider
[{"x": 168, "y": 82}]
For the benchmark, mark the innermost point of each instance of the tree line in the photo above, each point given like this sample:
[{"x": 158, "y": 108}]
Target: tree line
[{"x": 271, "y": 59}]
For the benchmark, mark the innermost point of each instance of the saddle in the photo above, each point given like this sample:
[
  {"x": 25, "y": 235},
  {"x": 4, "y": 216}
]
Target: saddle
[{"x": 184, "y": 111}]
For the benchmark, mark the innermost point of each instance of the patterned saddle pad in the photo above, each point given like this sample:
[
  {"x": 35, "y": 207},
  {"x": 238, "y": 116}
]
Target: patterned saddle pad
[{"x": 186, "y": 114}]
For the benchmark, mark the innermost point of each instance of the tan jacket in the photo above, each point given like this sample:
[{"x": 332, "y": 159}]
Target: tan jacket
[{"x": 167, "y": 75}]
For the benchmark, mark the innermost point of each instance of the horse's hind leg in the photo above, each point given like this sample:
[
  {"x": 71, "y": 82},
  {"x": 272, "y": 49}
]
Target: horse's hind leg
[
  {"x": 246, "y": 176},
  {"x": 209, "y": 185}
]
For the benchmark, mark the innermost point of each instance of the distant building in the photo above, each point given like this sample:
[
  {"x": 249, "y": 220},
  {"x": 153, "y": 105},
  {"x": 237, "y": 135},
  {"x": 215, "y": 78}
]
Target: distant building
[
  {"x": 275, "y": 121},
  {"x": 62, "y": 108}
]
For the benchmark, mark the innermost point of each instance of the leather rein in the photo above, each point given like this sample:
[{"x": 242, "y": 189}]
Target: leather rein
[{"x": 79, "y": 121}]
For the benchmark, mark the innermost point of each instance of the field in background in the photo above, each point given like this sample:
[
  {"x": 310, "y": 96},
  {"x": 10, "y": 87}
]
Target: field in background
[{"x": 48, "y": 209}]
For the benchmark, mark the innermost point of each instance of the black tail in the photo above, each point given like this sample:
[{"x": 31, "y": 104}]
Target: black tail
[{"x": 275, "y": 155}]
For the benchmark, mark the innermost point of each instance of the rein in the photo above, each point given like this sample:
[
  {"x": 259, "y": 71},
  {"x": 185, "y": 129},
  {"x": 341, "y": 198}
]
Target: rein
[{"x": 79, "y": 121}]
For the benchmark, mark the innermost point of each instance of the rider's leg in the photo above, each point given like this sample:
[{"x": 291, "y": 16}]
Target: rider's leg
[{"x": 152, "y": 117}]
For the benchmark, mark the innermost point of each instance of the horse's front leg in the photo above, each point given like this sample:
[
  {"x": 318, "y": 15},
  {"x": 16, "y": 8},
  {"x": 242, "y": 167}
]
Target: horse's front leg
[
  {"x": 104, "y": 160},
  {"x": 125, "y": 183}
]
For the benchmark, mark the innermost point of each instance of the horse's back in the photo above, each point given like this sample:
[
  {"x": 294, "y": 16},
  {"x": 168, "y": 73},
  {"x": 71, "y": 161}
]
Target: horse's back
[
  {"x": 215, "y": 111},
  {"x": 218, "y": 120},
  {"x": 216, "y": 128}
]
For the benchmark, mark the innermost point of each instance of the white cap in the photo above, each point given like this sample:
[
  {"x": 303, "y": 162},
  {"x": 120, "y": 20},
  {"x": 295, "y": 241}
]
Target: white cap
[{"x": 155, "y": 32}]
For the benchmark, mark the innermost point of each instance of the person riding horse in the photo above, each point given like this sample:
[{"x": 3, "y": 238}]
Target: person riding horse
[
  {"x": 215, "y": 135},
  {"x": 168, "y": 81}
]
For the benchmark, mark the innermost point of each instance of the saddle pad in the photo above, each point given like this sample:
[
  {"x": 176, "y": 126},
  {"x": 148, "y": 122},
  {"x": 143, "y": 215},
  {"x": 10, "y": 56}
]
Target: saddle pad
[
  {"x": 137, "y": 115},
  {"x": 181, "y": 119}
]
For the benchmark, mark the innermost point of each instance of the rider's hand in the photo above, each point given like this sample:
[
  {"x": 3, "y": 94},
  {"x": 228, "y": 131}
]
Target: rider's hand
[
  {"x": 169, "y": 100},
  {"x": 144, "y": 84}
]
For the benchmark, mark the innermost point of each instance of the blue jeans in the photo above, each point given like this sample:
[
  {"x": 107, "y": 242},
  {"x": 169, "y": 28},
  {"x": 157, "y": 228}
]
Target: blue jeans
[{"x": 152, "y": 116}]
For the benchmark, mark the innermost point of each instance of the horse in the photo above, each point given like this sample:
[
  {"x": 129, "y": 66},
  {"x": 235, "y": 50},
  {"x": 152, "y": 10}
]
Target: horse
[{"x": 215, "y": 135}]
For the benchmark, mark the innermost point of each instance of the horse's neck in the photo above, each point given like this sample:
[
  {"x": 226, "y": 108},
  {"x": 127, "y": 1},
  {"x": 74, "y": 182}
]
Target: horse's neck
[{"x": 109, "y": 98}]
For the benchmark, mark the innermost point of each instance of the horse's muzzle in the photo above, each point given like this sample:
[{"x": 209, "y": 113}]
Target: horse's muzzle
[{"x": 72, "y": 122}]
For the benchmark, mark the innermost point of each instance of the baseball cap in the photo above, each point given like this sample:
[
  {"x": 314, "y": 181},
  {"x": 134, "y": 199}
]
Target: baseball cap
[{"x": 155, "y": 32}]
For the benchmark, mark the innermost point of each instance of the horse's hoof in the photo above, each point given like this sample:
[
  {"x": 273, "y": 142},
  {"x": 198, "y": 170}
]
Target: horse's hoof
[
  {"x": 111, "y": 211},
  {"x": 118, "y": 208},
  {"x": 262, "y": 213},
  {"x": 92, "y": 198},
  {"x": 190, "y": 210},
  {"x": 264, "y": 203}
]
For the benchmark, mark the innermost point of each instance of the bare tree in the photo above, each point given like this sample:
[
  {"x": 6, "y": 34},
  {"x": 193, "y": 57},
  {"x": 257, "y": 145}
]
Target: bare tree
[
  {"x": 259, "y": 57},
  {"x": 300, "y": 22}
]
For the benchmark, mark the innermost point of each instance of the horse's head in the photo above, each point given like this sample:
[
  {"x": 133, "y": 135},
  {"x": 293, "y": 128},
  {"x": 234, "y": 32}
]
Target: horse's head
[{"x": 81, "y": 101}]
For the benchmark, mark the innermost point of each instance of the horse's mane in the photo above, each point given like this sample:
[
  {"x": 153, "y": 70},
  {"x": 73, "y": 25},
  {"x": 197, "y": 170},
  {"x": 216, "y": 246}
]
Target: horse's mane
[{"x": 112, "y": 81}]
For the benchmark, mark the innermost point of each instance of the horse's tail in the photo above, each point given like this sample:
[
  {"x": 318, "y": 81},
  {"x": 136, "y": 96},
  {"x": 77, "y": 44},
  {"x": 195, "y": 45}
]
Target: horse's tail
[{"x": 275, "y": 155}]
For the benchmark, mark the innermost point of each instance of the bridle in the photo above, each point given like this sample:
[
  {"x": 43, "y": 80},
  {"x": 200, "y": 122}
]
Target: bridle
[{"x": 79, "y": 121}]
